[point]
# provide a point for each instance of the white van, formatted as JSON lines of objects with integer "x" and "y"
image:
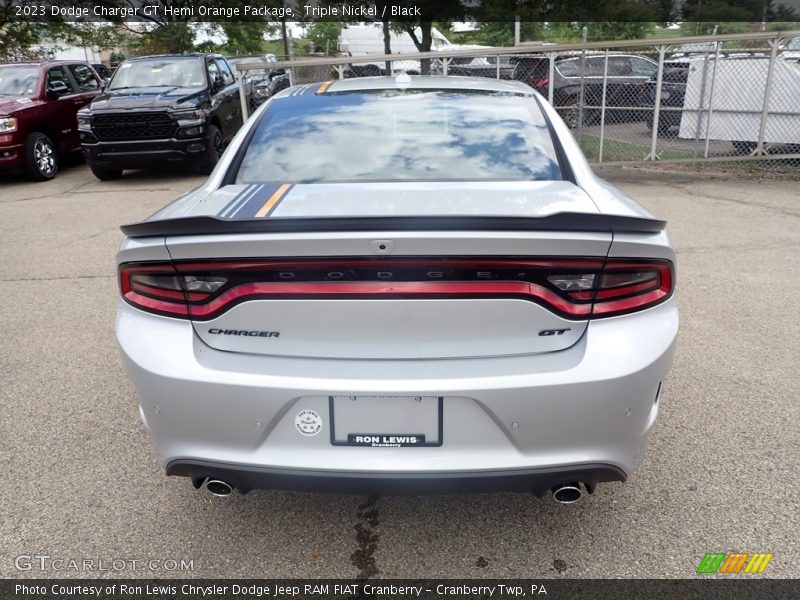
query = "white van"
{"x": 364, "y": 40}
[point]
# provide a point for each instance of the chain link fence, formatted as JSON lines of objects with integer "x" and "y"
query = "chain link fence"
{"x": 707, "y": 99}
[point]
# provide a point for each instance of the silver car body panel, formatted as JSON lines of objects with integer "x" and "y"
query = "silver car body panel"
{"x": 512, "y": 398}
{"x": 593, "y": 403}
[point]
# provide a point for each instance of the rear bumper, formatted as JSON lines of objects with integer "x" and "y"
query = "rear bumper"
{"x": 515, "y": 419}
{"x": 143, "y": 154}
{"x": 245, "y": 478}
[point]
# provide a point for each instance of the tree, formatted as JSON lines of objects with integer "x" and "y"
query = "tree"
{"x": 723, "y": 10}
{"x": 324, "y": 36}
{"x": 666, "y": 11}
{"x": 501, "y": 33}
{"x": 245, "y": 37}
{"x": 17, "y": 39}
{"x": 420, "y": 29}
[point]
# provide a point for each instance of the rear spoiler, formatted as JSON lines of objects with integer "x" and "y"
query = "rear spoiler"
{"x": 564, "y": 221}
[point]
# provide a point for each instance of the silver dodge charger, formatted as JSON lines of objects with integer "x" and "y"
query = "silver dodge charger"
{"x": 400, "y": 285}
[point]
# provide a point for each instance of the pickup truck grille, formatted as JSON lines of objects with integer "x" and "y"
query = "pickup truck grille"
{"x": 141, "y": 126}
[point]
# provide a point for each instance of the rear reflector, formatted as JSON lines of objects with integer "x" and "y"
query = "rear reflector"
{"x": 577, "y": 289}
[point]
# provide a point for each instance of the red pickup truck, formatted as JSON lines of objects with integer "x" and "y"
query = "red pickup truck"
{"x": 38, "y": 106}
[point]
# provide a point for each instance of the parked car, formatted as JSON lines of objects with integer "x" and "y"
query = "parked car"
{"x": 673, "y": 92}
{"x": 262, "y": 83}
{"x": 373, "y": 70}
{"x": 737, "y": 103}
{"x": 38, "y": 106}
{"x": 158, "y": 110}
{"x": 573, "y": 71}
{"x": 396, "y": 285}
{"x": 692, "y": 49}
{"x": 792, "y": 50}
{"x": 366, "y": 41}
{"x": 481, "y": 67}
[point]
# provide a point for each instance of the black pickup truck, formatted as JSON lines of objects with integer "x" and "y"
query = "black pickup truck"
{"x": 158, "y": 110}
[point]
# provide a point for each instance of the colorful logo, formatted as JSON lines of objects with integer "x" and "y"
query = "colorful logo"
{"x": 734, "y": 562}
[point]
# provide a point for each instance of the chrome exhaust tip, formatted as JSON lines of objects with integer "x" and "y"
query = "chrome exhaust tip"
{"x": 218, "y": 488}
{"x": 568, "y": 493}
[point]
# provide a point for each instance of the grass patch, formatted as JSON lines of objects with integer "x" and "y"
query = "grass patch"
{"x": 614, "y": 150}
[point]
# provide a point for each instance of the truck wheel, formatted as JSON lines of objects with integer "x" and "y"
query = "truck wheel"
{"x": 213, "y": 151}
{"x": 105, "y": 174}
{"x": 41, "y": 159}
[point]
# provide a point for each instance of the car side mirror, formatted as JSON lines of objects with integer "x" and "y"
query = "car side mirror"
{"x": 56, "y": 89}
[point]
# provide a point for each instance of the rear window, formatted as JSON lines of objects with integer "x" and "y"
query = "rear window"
{"x": 392, "y": 135}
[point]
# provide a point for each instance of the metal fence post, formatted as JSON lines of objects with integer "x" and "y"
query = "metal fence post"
{"x": 243, "y": 98}
{"x": 339, "y": 70}
{"x": 551, "y": 73}
{"x": 767, "y": 89}
{"x": 711, "y": 98}
{"x": 662, "y": 50}
{"x": 497, "y": 60}
{"x": 445, "y": 62}
{"x": 603, "y": 109}
{"x": 581, "y": 95}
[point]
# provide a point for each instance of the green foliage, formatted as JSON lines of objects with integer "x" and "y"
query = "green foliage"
{"x": 709, "y": 27}
{"x": 169, "y": 38}
{"x": 16, "y": 40}
{"x": 502, "y": 34}
{"x": 616, "y": 30}
{"x": 718, "y": 11}
{"x": 324, "y": 36}
{"x": 244, "y": 37}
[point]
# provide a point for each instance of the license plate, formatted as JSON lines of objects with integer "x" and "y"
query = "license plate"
{"x": 386, "y": 421}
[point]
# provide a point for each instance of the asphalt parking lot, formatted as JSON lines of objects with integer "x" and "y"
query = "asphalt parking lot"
{"x": 82, "y": 482}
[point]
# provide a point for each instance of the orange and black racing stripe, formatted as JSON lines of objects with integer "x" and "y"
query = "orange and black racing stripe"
{"x": 323, "y": 87}
{"x": 256, "y": 201}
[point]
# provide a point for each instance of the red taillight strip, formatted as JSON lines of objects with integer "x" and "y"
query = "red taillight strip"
{"x": 605, "y": 309}
{"x": 607, "y": 301}
{"x": 626, "y": 290}
{"x": 404, "y": 289}
{"x": 160, "y": 306}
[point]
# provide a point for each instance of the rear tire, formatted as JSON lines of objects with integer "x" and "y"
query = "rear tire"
{"x": 41, "y": 158}
{"x": 105, "y": 174}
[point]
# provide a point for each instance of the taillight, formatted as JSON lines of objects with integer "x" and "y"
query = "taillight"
{"x": 626, "y": 286}
{"x": 540, "y": 83}
{"x": 159, "y": 288}
{"x": 575, "y": 288}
